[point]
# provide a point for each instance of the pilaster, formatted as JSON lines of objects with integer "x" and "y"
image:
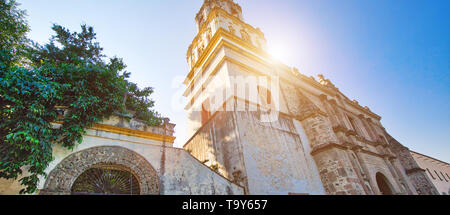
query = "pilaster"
{"x": 335, "y": 169}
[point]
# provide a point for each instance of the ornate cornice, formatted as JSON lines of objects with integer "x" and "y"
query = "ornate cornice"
{"x": 372, "y": 153}
{"x": 345, "y": 146}
{"x": 352, "y": 146}
{"x": 134, "y": 133}
{"x": 340, "y": 128}
{"x": 309, "y": 114}
{"x": 414, "y": 170}
{"x": 351, "y": 133}
{"x": 222, "y": 33}
{"x": 326, "y": 146}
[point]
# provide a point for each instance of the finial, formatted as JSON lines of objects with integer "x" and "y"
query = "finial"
{"x": 321, "y": 77}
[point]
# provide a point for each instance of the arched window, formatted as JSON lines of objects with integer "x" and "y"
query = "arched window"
{"x": 106, "y": 180}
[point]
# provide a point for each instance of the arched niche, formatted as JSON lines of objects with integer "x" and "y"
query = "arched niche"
{"x": 62, "y": 178}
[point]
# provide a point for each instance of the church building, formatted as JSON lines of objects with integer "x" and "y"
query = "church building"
{"x": 272, "y": 130}
{"x": 257, "y": 127}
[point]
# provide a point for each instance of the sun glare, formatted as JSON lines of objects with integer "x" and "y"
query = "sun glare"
{"x": 278, "y": 52}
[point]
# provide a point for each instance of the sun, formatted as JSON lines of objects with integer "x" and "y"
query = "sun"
{"x": 278, "y": 52}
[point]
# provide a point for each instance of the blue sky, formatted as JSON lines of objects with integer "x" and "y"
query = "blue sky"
{"x": 393, "y": 56}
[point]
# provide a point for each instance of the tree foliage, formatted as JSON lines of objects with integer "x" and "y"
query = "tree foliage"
{"x": 13, "y": 29}
{"x": 67, "y": 81}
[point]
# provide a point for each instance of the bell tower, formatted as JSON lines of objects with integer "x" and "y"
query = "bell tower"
{"x": 222, "y": 33}
{"x": 228, "y": 6}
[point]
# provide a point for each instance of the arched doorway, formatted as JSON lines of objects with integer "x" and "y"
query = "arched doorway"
{"x": 383, "y": 184}
{"x": 106, "y": 179}
{"x": 127, "y": 171}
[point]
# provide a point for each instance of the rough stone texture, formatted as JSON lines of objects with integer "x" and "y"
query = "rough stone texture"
{"x": 274, "y": 156}
{"x": 438, "y": 171}
{"x": 217, "y": 143}
{"x": 266, "y": 158}
{"x": 376, "y": 165}
{"x": 61, "y": 179}
{"x": 319, "y": 131}
{"x": 337, "y": 174}
{"x": 186, "y": 176}
{"x": 298, "y": 105}
{"x": 416, "y": 175}
{"x": 346, "y": 140}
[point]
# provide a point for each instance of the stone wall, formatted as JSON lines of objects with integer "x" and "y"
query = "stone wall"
{"x": 376, "y": 164}
{"x": 266, "y": 158}
{"x": 337, "y": 174}
{"x": 437, "y": 171}
{"x": 10, "y": 187}
{"x": 415, "y": 174}
{"x": 161, "y": 169}
{"x": 217, "y": 145}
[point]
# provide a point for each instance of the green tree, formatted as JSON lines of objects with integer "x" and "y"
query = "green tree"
{"x": 13, "y": 29}
{"x": 68, "y": 81}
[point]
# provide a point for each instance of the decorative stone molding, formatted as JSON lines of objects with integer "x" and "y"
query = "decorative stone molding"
{"x": 332, "y": 101}
{"x": 340, "y": 128}
{"x": 62, "y": 177}
{"x": 326, "y": 82}
{"x": 351, "y": 145}
{"x": 410, "y": 171}
{"x": 323, "y": 97}
{"x": 327, "y": 146}
{"x": 310, "y": 114}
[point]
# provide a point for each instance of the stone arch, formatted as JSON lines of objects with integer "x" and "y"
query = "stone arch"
{"x": 62, "y": 177}
{"x": 383, "y": 184}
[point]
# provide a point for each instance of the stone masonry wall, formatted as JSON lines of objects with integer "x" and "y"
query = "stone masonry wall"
{"x": 416, "y": 175}
{"x": 267, "y": 158}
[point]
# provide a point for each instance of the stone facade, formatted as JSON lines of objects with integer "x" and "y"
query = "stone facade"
{"x": 318, "y": 134}
{"x": 261, "y": 157}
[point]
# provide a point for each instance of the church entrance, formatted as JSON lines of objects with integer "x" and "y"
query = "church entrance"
{"x": 106, "y": 180}
{"x": 383, "y": 184}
